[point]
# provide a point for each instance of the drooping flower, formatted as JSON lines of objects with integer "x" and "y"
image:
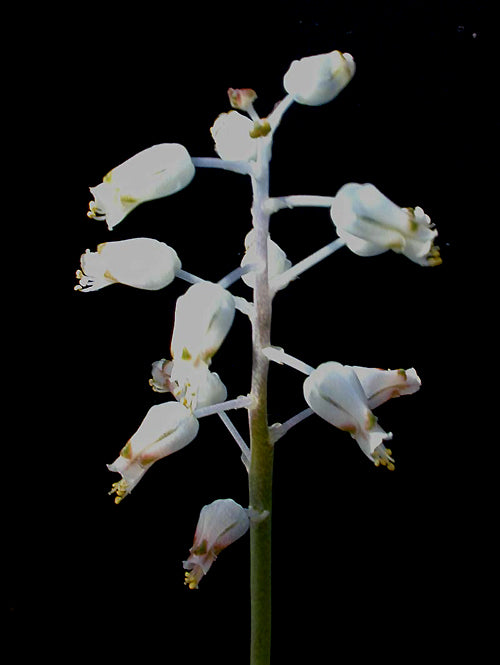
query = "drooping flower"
{"x": 380, "y": 385}
{"x": 167, "y": 427}
{"x": 370, "y": 224}
{"x": 335, "y": 393}
{"x": 231, "y": 133}
{"x": 317, "y": 79}
{"x": 203, "y": 317}
{"x": 158, "y": 171}
{"x": 277, "y": 260}
{"x": 195, "y": 386}
{"x": 144, "y": 263}
{"x": 220, "y": 523}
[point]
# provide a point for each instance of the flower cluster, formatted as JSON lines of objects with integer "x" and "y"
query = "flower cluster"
{"x": 366, "y": 222}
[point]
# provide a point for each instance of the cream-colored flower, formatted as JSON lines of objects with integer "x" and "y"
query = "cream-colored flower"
{"x": 380, "y": 385}
{"x": 220, "y": 523}
{"x": 335, "y": 393}
{"x": 317, "y": 79}
{"x": 144, "y": 263}
{"x": 158, "y": 171}
{"x": 370, "y": 224}
{"x": 203, "y": 317}
{"x": 231, "y": 133}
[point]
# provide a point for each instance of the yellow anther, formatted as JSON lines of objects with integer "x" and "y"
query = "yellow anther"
{"x": 120, "y": 489}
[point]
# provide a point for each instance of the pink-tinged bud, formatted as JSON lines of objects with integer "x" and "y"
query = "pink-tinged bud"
{"x": 220, "y": 524}
{"x": 241, "y": 98}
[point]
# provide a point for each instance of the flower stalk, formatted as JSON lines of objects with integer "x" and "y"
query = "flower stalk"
{"x": 261, "y": 465}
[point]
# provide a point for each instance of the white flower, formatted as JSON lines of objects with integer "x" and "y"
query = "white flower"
{"x": 276, "y": 257}
{"x": 203, "y": 317}
{"x": 167, "y": 427}
{"x": 158, "y": 171}
{"x": 317, "y": 79}
{"x": 335, "y": 393}
{"x": 220, "y": 524}
{"x": 380, "y": 385}
{"x": 193, "y": 386}
{"x": 144, "y": 263}
{"x": 231, "y": 133}
{"x": 370, "y": 224}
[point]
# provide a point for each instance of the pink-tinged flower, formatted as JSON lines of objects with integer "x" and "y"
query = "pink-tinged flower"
{"x": 167, "y": 427}
{"x": 220, "y": 524}
{"x": 335, "y": 393}
{"x": 144, "y": 263}
{"x": 317, "y": 79}
{"x": 203, "y": 317}
{"x": 158, "y": 171}
{"x": 370, "y": 224}
{"x": 380, "y": 385}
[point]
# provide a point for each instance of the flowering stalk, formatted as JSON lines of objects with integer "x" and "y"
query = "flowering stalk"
{"x": 261, "y": 466}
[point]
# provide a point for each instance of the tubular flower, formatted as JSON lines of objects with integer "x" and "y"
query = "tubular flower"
{"x": 193, "y": 386}
{"x": 203, "y": 317}
{"x": 231, "y": 133}
{"x": 220, "y": 524}
{"x": 277, "y": 261}
{"x": 317, "y": 79}
{"x": 158, "y": 171}
{"x": 144, "y": 263}
{"x": 380, "y": 385}
{"x": 370, "y": 224}
{"x": 335, "y": 393}
{"x": 167, "y": 427}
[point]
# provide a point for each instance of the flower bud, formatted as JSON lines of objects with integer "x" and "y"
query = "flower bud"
{"x": 158, "y": 171}
{"x": 144, "y": 263}
{"x": 203, "y": 317}
{"x": 231, "y": 133}
{"x": 317, "y": 79}
{"x": 380, "y": 385}
{"x": 220, "y": 524}
{"x": 167, "y": 427}
{"x": 241, "y": 98}
{"x": 276, "y": 258}
{"x": 334, "y": 392}
{"x": 370, "y": 224}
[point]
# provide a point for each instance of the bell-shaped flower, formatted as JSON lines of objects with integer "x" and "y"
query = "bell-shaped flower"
{"x": 144, "y": 263}
{"x": 334, "y": 392}
{"x": 381, "y": 385}
{"x": 370, "y": 224}
{"x": 276, "y": 259}
{"x": 194, "y": 386}
{"x": 158, "y": 171}
{"x": 317, "y": 79}
{"x": 231, "y": 133}
{"x": 167, "y": 427}
{"x": 203, "y": 317}
{"x": 220, "y": 524}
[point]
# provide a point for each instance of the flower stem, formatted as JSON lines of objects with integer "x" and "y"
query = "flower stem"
{"x": 261, "y": 465}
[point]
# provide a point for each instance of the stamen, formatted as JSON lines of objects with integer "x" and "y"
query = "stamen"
{"x": 382, "y": 457}
{"x": 120, "y": 488}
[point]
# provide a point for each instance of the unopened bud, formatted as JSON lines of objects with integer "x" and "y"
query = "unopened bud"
{"x": 241, "y": 98}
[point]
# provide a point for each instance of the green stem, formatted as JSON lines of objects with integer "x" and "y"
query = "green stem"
{"x": 261, "y": 466}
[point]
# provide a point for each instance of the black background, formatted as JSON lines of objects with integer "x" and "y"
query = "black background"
{"x": 363, "y": 558}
